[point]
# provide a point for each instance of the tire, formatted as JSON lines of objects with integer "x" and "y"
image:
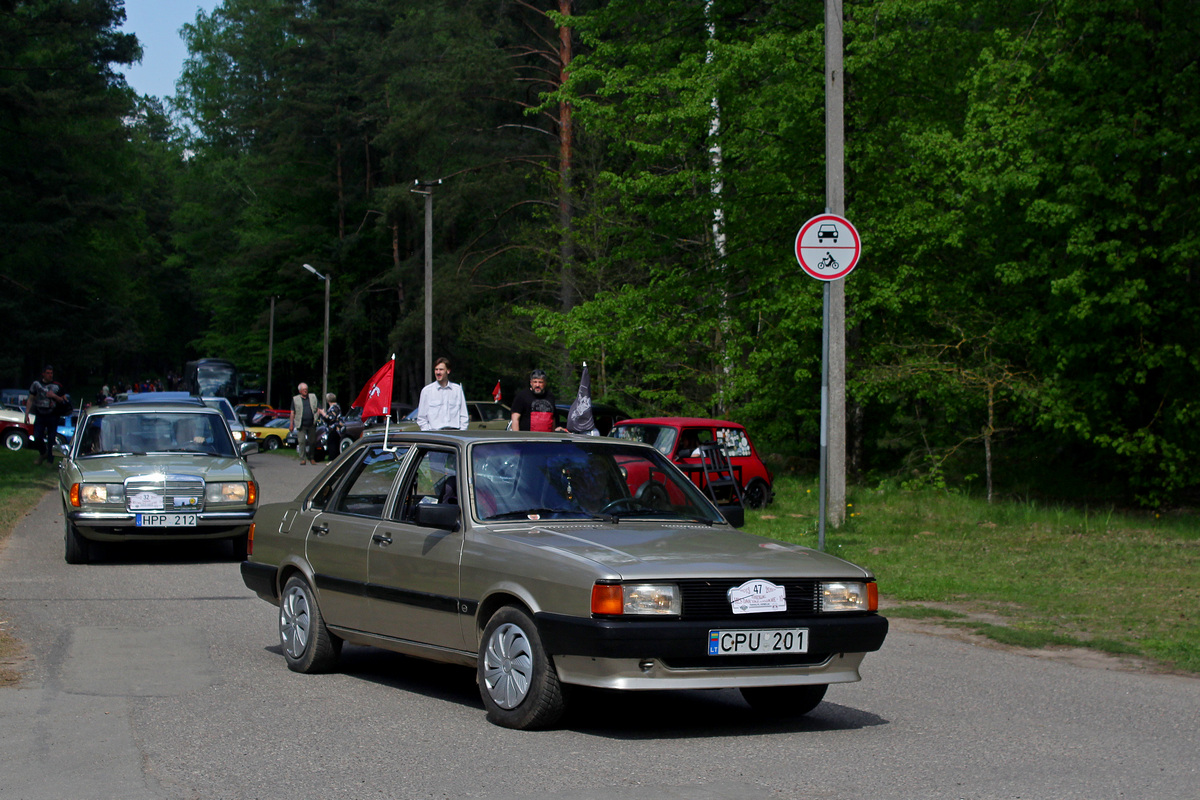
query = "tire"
{"x": 307, "y": 644}
{"x": 784, "y": 701}
{"x": 77, "y": 550}
{"x": 14, "y": 439}
{"x": 241, "y": 546}
{"x": 272, "y": 443}
{"x": 517, "y": 680}
{"x": 757, "y": 494}
{"x": 345, "y": 444}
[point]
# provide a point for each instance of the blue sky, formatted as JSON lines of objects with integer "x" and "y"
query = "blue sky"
{"x": 156, "y": 24}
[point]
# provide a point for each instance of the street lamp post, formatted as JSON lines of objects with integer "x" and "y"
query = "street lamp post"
{"x": 325, "y": 360}
{"x": 426, "y": 188}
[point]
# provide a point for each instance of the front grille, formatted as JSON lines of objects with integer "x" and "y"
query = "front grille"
{"x": 709, "y": 599}
{"x": 179, "y": 492}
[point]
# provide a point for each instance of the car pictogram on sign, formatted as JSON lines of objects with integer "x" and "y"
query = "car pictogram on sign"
{"x": 827, "y": 230}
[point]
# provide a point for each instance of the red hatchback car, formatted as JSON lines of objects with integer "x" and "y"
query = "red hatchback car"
{"x": 679, "y": 438}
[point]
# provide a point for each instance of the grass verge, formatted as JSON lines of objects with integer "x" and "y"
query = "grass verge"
{"x": 22, "y": 486}
{"x": 1021, "y": 573}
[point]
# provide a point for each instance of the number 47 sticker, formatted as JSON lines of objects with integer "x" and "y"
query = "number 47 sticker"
{"x": 756, "y": 597}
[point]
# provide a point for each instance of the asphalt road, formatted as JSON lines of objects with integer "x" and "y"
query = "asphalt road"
{"x": 157, "y": 674}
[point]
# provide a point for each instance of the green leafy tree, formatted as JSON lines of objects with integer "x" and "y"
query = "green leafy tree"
{"x": 68, "y": 172}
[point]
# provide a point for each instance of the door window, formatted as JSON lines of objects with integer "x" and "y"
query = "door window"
{"x": 434, "y": 480}
{"x": 734, "y": 442}
{"x": 369, "y": 484}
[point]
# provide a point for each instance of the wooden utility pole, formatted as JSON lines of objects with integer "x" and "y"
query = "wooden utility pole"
{"x": 835, "y": 201}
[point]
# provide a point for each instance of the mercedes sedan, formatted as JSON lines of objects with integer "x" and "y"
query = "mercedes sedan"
{"x": 144, "y": 471}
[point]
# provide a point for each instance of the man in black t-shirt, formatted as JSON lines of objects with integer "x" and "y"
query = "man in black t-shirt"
{"x": 533, "y": 408}
{"x": 45, "y": 397}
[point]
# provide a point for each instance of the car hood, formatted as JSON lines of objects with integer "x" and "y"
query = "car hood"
{"x": 117, "y": 468}
{"x": 679, "y": 550}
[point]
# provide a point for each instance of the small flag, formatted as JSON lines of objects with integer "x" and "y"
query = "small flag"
{"x": 376, "y": 396}
{"x": 496, "y": 392}
{"x": 579, "y": 418}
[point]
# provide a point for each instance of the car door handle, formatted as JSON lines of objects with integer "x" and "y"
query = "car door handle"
{"x": 320, "y": 530}
{"x": 382, "y": 538}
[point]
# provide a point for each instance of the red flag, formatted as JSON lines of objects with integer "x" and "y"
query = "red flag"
{"x": 376, "y": 396}
{"x": 496, "y": 392}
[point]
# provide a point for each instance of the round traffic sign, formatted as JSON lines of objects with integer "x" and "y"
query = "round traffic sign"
{"x": 828, "y": 247}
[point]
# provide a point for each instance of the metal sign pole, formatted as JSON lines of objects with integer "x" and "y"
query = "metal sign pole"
{"x": 824, "y": 417}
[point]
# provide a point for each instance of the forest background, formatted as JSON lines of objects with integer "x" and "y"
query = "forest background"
{"x": 621, "y": 183}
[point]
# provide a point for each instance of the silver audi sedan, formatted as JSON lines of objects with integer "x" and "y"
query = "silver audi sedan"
{"x": 541, "y": 560}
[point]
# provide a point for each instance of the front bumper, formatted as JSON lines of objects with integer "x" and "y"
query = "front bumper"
{"x": 659, "y": 654}
{"x": 114, "y": 526}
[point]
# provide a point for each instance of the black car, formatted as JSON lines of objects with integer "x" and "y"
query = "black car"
{"x": 604, "y": 416}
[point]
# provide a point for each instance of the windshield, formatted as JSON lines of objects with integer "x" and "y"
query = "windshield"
{"x": 546, "y": 480}
{"x": 488, "y": 412}
{"x": 155, "y": 432}
{"x": 216, "y": 379}
{"x": 222, "y": 405}
{"x": 660, "y": 437}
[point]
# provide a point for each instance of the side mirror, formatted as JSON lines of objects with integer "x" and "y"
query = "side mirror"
{"x": 734, "y": 514}
{"x": 438, "y": 515}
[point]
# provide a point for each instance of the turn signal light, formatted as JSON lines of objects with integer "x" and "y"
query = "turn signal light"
{"x": 75, "y": 494}
{"x": 250, "y": 539}
{"x": 251, "y": 494}
{"x": 607, "y": 599}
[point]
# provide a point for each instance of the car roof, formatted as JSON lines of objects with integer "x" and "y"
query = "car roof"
{"x": 678, "y": 422}
{"x": 601, "y": 407}
{"x": 144, "y": 406}
{"x": 159, "y": 397}
{"x": 476, "y": 435}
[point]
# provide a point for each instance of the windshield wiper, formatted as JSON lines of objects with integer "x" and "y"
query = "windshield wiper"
{"x": 526, "y": 513}
{"x": 658, "y": 512}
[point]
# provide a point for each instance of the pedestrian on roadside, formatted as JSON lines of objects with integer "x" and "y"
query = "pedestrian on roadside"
{"x": 47, "y": 402}
{"x": 533, "y": 408}
{"x": 442, "y": 405}
{"x": 332, "y": 414}
{"x": 303, "y": 421}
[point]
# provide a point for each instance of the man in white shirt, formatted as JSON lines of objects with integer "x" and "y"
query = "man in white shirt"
{"x": 442, "y": 404}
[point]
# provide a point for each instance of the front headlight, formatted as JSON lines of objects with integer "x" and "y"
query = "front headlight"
{"x": 234, "y": 492}
{"x": 849, "y": 596}
{"x": 89, "y": 494}
{"x": 636, "y": 598}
